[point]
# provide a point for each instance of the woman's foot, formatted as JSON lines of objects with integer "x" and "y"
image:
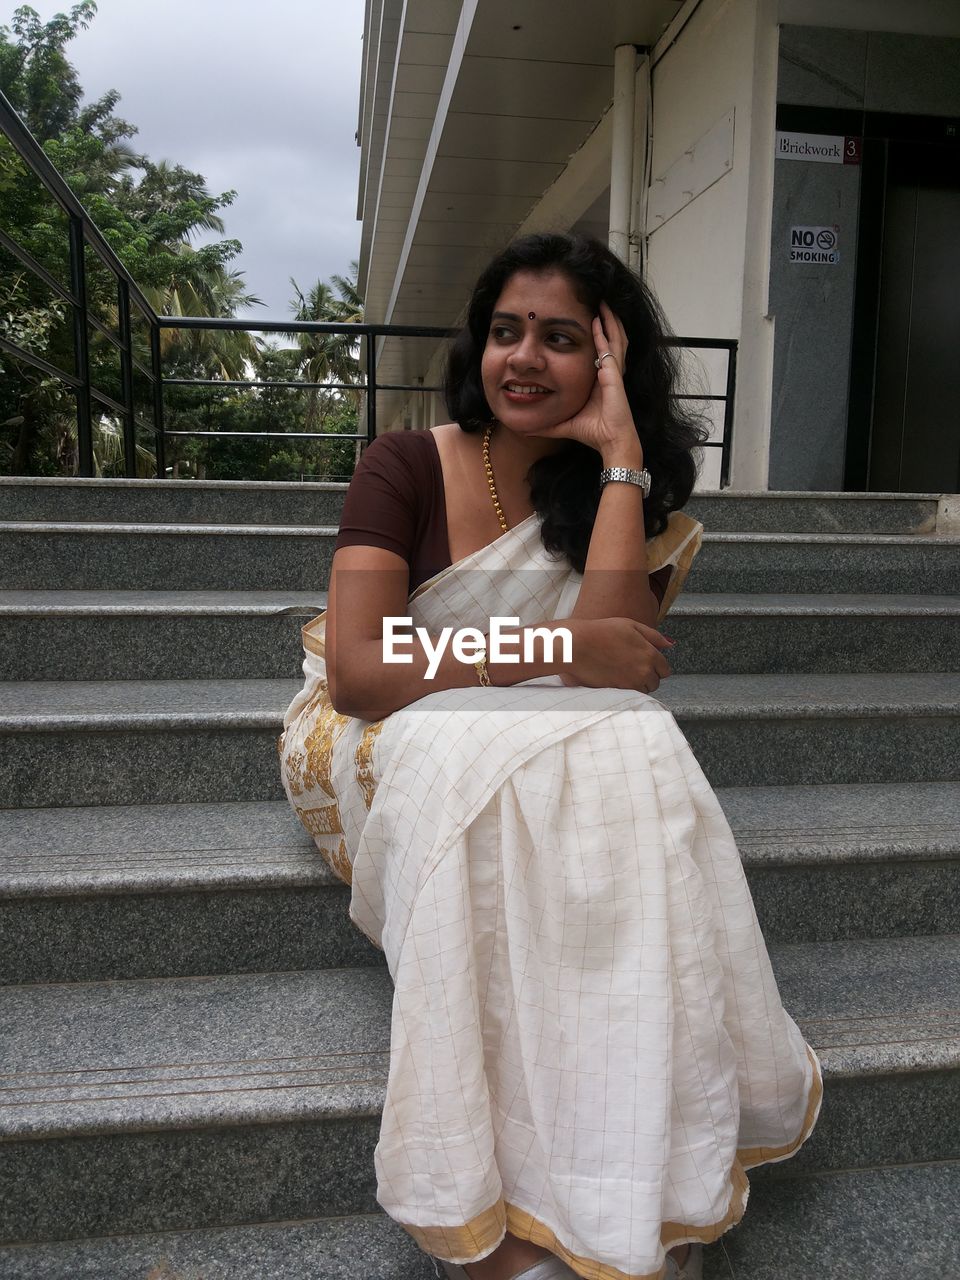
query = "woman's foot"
{"x": 511, "y": 1257}
{"x": 685, "y": 1262}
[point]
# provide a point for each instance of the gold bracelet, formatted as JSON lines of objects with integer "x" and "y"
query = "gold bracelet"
{"x": 480, "y": 666}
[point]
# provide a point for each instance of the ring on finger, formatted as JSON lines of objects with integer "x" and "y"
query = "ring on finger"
{"x": 600, "y": 359}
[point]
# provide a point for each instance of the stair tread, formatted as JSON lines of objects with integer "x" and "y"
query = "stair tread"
{"x": 156, "y": 848}
{"x": 130, "y": 527}
{"x": 348, "y": 1248}
{"x": 123, "y": 527}
{"x": 174, "y": 847}
{"x": 691, "y": 604}
{"x": 49, "y": 704}
{"x": 694, "y": 604}
{"x": 859, "y": 1222}
{"x": 843, "y": 822}
{"x": 204, "y": 602}
{"x": 216, "y": 1051}
{"x": 890, "y": 1220}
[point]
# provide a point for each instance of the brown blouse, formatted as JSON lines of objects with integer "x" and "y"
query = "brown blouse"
{"x": 396, "y": 501}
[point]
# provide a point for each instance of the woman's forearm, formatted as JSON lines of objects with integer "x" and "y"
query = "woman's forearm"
{"x": 616, "y": 583}
{"x": 370, "y": 688}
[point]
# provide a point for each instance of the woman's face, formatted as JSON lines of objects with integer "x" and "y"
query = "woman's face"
{"x": 537, "y": 366}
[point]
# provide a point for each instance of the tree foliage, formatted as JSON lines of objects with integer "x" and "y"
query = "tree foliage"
{"x": 151, "y": 215}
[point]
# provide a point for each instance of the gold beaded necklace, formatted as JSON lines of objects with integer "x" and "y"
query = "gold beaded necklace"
{"x": 488, "y": 468}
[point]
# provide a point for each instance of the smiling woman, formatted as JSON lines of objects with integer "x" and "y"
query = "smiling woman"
{"x": 538, "y": 361}
{"x": 588, "y": 1047}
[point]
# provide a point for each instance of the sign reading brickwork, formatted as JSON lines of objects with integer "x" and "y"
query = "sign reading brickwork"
{"x": 815, "y": 244}
{"x": 821, "y": 148}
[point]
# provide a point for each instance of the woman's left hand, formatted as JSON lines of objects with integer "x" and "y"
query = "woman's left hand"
{"x": 605, "y": 422}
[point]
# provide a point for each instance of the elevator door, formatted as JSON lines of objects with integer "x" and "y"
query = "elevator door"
{"x": 915, "y": 435}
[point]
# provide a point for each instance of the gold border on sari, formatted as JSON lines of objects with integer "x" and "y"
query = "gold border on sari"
{"x": 484, "y": 1232}
{"x": 363, "y": 759}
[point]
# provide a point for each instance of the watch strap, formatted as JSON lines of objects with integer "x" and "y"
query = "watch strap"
{"x": 627, "y": 475}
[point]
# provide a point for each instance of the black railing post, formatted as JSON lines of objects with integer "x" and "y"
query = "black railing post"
{"x": 126, "y": 376}
{"x": 371, "y": 388}
{"x": 158, "y": 428}
{"x": 725, "y": 452}
{"x": 81, "y": 346}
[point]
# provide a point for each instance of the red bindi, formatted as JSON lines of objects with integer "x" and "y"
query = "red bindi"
{"x": 531, "y": 315}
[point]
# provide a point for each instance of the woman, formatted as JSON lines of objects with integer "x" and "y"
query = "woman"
{"x": 588, "y": 1048}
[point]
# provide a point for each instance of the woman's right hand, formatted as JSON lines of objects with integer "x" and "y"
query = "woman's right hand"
{"x": 616, "y": 653}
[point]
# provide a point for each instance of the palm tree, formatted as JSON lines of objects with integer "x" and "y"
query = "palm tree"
{"x": 195, "y": 290}
{"x": 328, "y": 357}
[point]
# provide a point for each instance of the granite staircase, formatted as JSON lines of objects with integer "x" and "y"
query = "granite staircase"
{"x": 194, "y": 1039}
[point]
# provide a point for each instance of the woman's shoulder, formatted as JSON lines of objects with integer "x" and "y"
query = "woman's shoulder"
{"x": 405, "y": 444}
{"x": 399, "y": 456}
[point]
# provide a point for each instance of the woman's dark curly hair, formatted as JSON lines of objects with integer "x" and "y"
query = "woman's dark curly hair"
{"x": 565, "y": 485}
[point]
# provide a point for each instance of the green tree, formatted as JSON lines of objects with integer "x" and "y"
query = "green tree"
{"x": 148, "y": 213}
{"x": 328, "y": 357}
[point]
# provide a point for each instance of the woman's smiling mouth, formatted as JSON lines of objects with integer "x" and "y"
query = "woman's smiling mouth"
{"x": 521, "y": 392}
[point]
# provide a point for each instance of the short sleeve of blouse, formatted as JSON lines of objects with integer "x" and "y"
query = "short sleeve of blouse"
{"x": 396, "y": 501}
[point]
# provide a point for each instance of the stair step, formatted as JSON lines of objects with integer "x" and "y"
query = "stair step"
{"x": 812, "y": 562}
{"x": 890, "y": 1221}
{"x": 167, "y": 890}
{"x": 783, "y": 512}
{"x": 88, "y": 894}
{"x": 157, "y": 1105}
{"x": 278, "y": 502}
{"x": 165, "y": 635}
{"x": 842, "y": 862}
{"x": 140, "y": 742}
{"x": 363, "y": 1247}
{"x": 154, "y": 635}
{"x": 828, "y": 634}
{"x": 146, "y": 557}
{"x": 54, "y": 499}
{"x": 167, "y": 741}
{"x": 785, "y": 730}
{"x": 866, "y": 1222}
{"x": 92, "y": 556}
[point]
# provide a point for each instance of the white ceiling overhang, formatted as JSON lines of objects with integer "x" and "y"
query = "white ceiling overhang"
{"x": 484, "y": 104}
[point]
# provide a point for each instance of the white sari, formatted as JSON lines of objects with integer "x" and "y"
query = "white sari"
{"x": 588, "y": 1047}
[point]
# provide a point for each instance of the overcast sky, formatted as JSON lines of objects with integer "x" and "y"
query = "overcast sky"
{"x": 260, "y": 97}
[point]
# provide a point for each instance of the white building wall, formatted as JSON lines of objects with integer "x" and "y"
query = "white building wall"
{"x": 708, "y": 261}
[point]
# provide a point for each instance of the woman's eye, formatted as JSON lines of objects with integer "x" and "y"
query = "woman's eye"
{"x": 561, "y": 339}
{"x": 501, "y": 331}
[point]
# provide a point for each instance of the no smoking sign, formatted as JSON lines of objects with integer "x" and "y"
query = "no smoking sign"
{"x": 815, "y": 244}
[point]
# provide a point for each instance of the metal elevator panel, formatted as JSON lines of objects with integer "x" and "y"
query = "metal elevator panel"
{"x": 915, "y": 437}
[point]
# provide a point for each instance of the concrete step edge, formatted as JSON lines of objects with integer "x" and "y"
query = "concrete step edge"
{"x": 43, "y": 706}
{"x": 350, "y": 1247}
{"x": 171, "y": 848}
{"x": 207, "y": 602}
{"x": 42, "y": 528}
{"x": 153, "y": 604}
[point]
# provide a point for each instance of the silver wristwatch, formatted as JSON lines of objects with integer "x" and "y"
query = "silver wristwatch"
{"x": 641, "y": 478}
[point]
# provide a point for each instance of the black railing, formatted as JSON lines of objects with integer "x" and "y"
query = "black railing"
{"x": 363, "y": 332}
{"x": 130, "y": 303}
{"x": 82, "y": 234}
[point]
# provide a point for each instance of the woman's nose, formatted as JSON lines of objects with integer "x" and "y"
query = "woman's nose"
{"x": 527, "y": 354}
